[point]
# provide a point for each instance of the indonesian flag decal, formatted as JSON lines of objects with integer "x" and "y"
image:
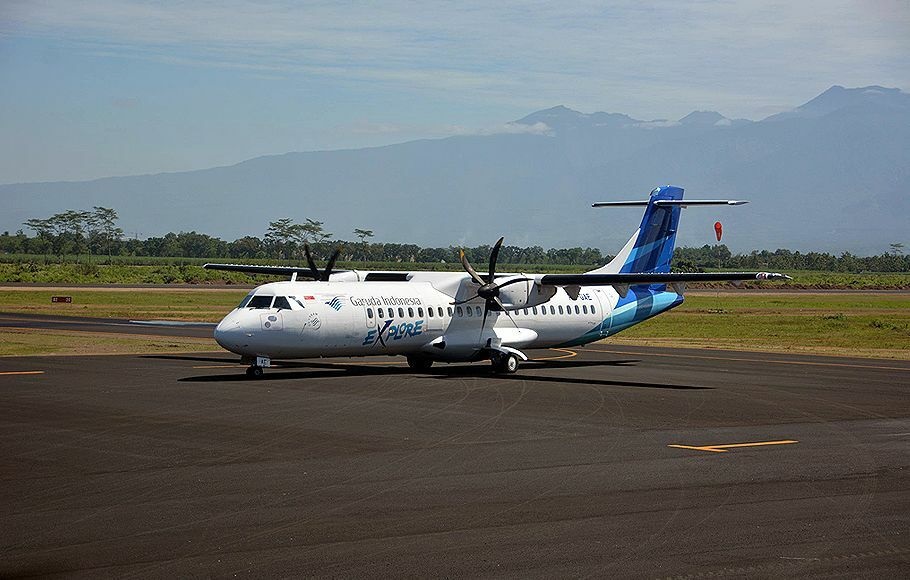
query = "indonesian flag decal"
{"x": 309, "y": 298}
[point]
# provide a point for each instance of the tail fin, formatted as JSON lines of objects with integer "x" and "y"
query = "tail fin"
{"x": 651, "y": 247}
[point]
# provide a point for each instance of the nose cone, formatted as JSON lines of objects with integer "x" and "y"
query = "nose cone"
{"x": 229, "y": 333}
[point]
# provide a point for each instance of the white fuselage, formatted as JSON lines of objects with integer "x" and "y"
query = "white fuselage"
{"x": 417, "y": 317}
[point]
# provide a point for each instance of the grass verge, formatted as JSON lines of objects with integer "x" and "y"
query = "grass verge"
{"x": 31, "y": 342}
{"x": 203, "y": 305}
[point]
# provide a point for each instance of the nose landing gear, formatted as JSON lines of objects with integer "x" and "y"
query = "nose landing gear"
{"x": 256, "y": 370}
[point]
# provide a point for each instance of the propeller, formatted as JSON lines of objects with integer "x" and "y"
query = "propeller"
{"x": 489, "y": 289}
{"x": 324, "y": 275}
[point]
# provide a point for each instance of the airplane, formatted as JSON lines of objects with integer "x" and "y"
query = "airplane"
{"x": 464, "y": 316}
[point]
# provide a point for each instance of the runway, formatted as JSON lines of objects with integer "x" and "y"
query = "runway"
{"x": 600, "y": 461}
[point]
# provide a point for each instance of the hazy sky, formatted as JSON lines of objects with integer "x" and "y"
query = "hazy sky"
{"x": 92, "y": 88}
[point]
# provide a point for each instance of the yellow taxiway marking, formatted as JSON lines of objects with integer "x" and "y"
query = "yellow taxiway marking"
{"x": 220, "y": 367}
{"x": 7, "y": 373}
{"x": 722, "y": 448}
{"x": 570, "y": 354}
{"x": 757, "y": 360}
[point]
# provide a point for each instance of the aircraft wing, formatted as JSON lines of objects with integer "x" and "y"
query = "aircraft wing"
{"x": 272, "y": 270}
{"x": 631, "y": 279}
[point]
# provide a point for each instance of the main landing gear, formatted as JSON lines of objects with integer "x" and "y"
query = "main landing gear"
{"x": 419, "y": 363}
{"x": 504, "y": 363}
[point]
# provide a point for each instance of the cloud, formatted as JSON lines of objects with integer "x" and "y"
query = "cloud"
{"x": 538, "y": 128}
{"x": 381, "y": 128}
{"x": 657, "y": 124}
{"x": 736, "y": 57}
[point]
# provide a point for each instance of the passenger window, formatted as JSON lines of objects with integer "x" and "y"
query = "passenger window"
{"x": 577, "y": 310}
{"x": 369, "y": 313}
{"x": 560, "y": 308}
{"x": 380, "y": 311}
{"x": 449, "y": 309}
{"x": 593, "y": 310}
{"x": 525, "y": 311}
{"x": 410, "y": 313}
{"x": 534, "y": 310}
{"x": 281, "y": 303}
{"x": 584, "y": 308}
{"x": 459, "y": 311}
{"x": 420, "y": 311}
{"x": 543, "y": 310}
{"x": 470, "y": 311}
{"x": 260, "y": 301}
{"x": 478, "y": 311}
{"x": 401, "y": 313}
{"x": 552, "y": 309}
{"x": 439, "y": 311}
{"x": 429, "y": 311}
{"x": 246, "y": 299}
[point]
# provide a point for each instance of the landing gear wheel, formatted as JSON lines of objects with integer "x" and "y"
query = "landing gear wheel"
{"x": 255, "y": 372}
{"x": 505, "y": 364}
{"x": 419, "y": 363}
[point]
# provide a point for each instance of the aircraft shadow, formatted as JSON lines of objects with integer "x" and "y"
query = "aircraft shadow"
{"x": 317, "y": 370}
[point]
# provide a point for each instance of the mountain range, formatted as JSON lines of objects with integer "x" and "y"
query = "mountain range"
{"x": 827, "y": 175}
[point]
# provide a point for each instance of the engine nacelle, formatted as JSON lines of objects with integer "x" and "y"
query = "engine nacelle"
{"x": 524, "y": 294}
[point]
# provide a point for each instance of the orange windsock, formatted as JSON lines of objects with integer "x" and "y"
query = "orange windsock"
{"x": 718, "y": 230}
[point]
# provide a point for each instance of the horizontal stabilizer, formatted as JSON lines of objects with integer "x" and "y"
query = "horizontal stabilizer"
{"x": 631, "y": 279}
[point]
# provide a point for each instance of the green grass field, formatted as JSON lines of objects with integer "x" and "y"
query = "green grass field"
{"x": 844, "y": 324}
{"x": 849, "y": 324}
{"x": 190, "y": 271}
{"x": 203, "y": 304}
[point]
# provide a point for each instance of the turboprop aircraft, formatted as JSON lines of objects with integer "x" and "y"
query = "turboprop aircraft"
{"x": 464, "y": 316}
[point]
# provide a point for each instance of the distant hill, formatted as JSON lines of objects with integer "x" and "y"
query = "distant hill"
{"x": 828, "y": 175}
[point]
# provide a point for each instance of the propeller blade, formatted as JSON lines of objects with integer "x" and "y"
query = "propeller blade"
{"x": 331, "y": 264}
{"x": 494, "y": 257}
{"x": 513, "y": 281}
{"x": 502, "y": 306}
{"x": 486, "y": 311}
{"x": 309, "y": 260}
{"x": 469, "y": 269}
{"x": 466, "y": 300}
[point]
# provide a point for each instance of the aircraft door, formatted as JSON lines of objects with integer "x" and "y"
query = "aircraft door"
{"x": 603, "y": 306}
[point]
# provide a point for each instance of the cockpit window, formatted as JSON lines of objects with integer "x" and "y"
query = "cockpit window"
{"x": 281, "y": 303}
{"x": 245, "y": 300}
{"x": 261, "y": 301}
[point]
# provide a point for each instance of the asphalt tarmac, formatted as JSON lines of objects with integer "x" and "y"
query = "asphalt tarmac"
{"x": 601, "y": 461}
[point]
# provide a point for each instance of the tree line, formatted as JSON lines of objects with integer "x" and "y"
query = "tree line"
{"x": 96, "y": 232}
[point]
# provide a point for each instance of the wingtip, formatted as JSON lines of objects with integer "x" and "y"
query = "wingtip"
{"x": 772, "y": 276}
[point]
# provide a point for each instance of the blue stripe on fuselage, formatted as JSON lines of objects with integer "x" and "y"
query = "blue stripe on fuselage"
{"x": 640, "y": 304}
